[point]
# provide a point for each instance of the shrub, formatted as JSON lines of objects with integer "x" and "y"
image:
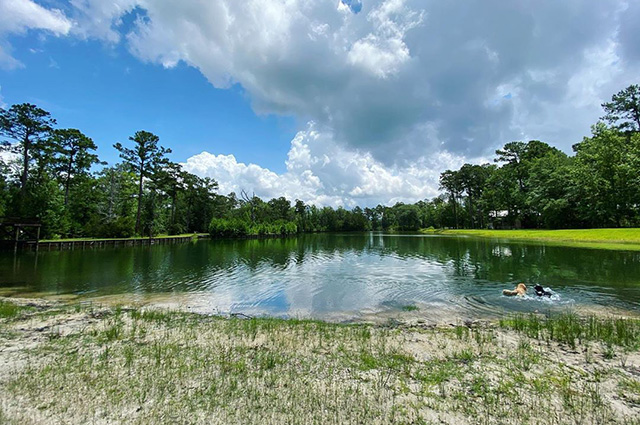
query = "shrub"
{"x": 235, "y": 228}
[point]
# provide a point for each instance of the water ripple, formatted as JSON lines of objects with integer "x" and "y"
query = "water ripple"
{"x": 328, "y": 275}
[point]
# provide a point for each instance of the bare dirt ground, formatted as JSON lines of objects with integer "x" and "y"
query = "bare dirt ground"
{"x": 77, "y": 364}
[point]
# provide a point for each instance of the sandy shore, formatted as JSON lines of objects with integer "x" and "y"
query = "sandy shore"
{"x": 65, "y": 363}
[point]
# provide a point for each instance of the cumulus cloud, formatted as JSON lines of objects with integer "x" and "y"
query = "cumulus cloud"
{"x": 354, "y": 6}
{"x": 629, "y": 32}
{"x": 395, "y": 84}
{"x": 383, "y": 51}
{"x": 397, "y": 78}
{"x": 100, "y": 19}
{"x": 19, "y": 16}
{"x": 323, "y": 172}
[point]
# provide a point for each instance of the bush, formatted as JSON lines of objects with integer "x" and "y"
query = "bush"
{"x": 236, "y": 228}
{"x": 121, "y": 227}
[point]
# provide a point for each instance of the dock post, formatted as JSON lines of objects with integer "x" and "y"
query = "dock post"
{"x": 37, "y": 241}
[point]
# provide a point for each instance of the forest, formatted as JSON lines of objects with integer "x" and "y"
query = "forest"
{"x": 54, "y": 175}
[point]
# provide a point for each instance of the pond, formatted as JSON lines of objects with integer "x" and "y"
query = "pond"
{"x": 336, "y": 276}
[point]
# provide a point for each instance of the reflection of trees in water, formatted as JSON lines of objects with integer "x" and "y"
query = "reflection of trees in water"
{"x": 502, "y": 261}
{"x": 494, "y": 260}
{"x": 556, "y": 265}
{"x": 184, "y": 267}
{"x": 253, "y": 253}
{"x": 71, "y": 271}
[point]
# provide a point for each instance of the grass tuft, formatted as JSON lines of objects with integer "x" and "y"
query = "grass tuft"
{"x": 9, "y": 310}
{"x": 155, "y": 367}
{"x": 571, "y": 329}
{"x": 410, "y": 308}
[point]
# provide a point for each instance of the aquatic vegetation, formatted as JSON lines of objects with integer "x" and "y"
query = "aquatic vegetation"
{"x": 410, "y": 307}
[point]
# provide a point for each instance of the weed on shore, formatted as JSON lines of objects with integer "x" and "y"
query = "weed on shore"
{"x": 154, "y": 367}
{"x": 570, "y": 329}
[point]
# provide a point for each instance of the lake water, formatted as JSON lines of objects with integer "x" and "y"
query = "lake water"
{"x": 336, "y": 276}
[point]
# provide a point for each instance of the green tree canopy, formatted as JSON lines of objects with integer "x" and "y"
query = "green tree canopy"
{"x": 623, "y": 112}
{"x": 27, "y": 129}
{"x": 73, "y": 156}
{"x": 144, "y": 158}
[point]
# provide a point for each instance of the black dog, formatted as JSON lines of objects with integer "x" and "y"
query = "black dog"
{"x": 541, "y": 292}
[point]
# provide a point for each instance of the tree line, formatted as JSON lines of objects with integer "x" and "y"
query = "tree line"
{"x": 534, "y": 185}
{"x": 52, "y": 174}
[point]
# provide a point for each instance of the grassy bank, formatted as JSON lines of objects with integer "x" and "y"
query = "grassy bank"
{"x": 622, "y": 239}
{"x": 84, "y": 364}
{"x": 185, "y": 235}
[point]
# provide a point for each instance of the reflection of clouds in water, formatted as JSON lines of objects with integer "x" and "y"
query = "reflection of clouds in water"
{"x": 369, "y": 274}
{"x": 324, "y": 283}
{"x": 342, "y": 282}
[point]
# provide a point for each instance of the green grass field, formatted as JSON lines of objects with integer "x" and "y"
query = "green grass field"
{"x": 620, "y": 239}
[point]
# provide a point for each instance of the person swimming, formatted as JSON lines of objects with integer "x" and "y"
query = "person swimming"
{"x": 541, "y": 292}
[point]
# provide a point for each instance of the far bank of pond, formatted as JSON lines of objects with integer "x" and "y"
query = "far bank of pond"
{"x": 627, "y": 239}
{"x": 613, "y": 239}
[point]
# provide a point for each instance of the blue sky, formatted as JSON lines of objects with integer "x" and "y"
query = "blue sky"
{"x": 108, "y": 94}
{"x": 335, "y": 102}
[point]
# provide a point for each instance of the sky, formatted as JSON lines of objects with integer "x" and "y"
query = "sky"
{"x": 335, "y": 102}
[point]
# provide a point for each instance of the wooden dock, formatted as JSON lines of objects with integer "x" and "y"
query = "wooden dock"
{"x": 17, "y": 231}
{"x": 103, "y": 243}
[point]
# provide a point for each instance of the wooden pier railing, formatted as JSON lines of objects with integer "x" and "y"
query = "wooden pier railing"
{"x": 101, "y": 243}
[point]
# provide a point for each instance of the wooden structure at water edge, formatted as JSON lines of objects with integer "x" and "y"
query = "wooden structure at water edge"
{"x": 16, "y": 232}
{"x": 73, "y": 244}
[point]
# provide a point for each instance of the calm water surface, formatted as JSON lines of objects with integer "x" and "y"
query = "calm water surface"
{"x": 335, "y": 275}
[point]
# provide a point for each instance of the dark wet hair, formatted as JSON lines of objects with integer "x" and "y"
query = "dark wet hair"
{"x": 540, "y": 291}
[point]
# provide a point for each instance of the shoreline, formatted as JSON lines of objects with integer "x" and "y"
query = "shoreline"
{"x": 77, "y": 363}
{"x": 410, "y": 314}
{"x": 618, "y": 239}
{"x": 84, "y": 243}
{"x": 90, "y": 243}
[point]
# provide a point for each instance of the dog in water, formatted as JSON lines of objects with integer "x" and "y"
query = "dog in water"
{"x": 541, "y": 292}
{"x": 520, "y": 290}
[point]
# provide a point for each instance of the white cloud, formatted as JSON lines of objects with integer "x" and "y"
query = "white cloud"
{"x": 383, "y": 52}
{"x": 6, "y": 60}
{"x": 2, "y": 103}
{"x": 322, "y": 172}
{"x": 393, "y": 86}
{"x": 375, "y": 79}
{"x": 100, "y": 19}
{"x": 379, "y": 57}
{"x": 18, "y": 16}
